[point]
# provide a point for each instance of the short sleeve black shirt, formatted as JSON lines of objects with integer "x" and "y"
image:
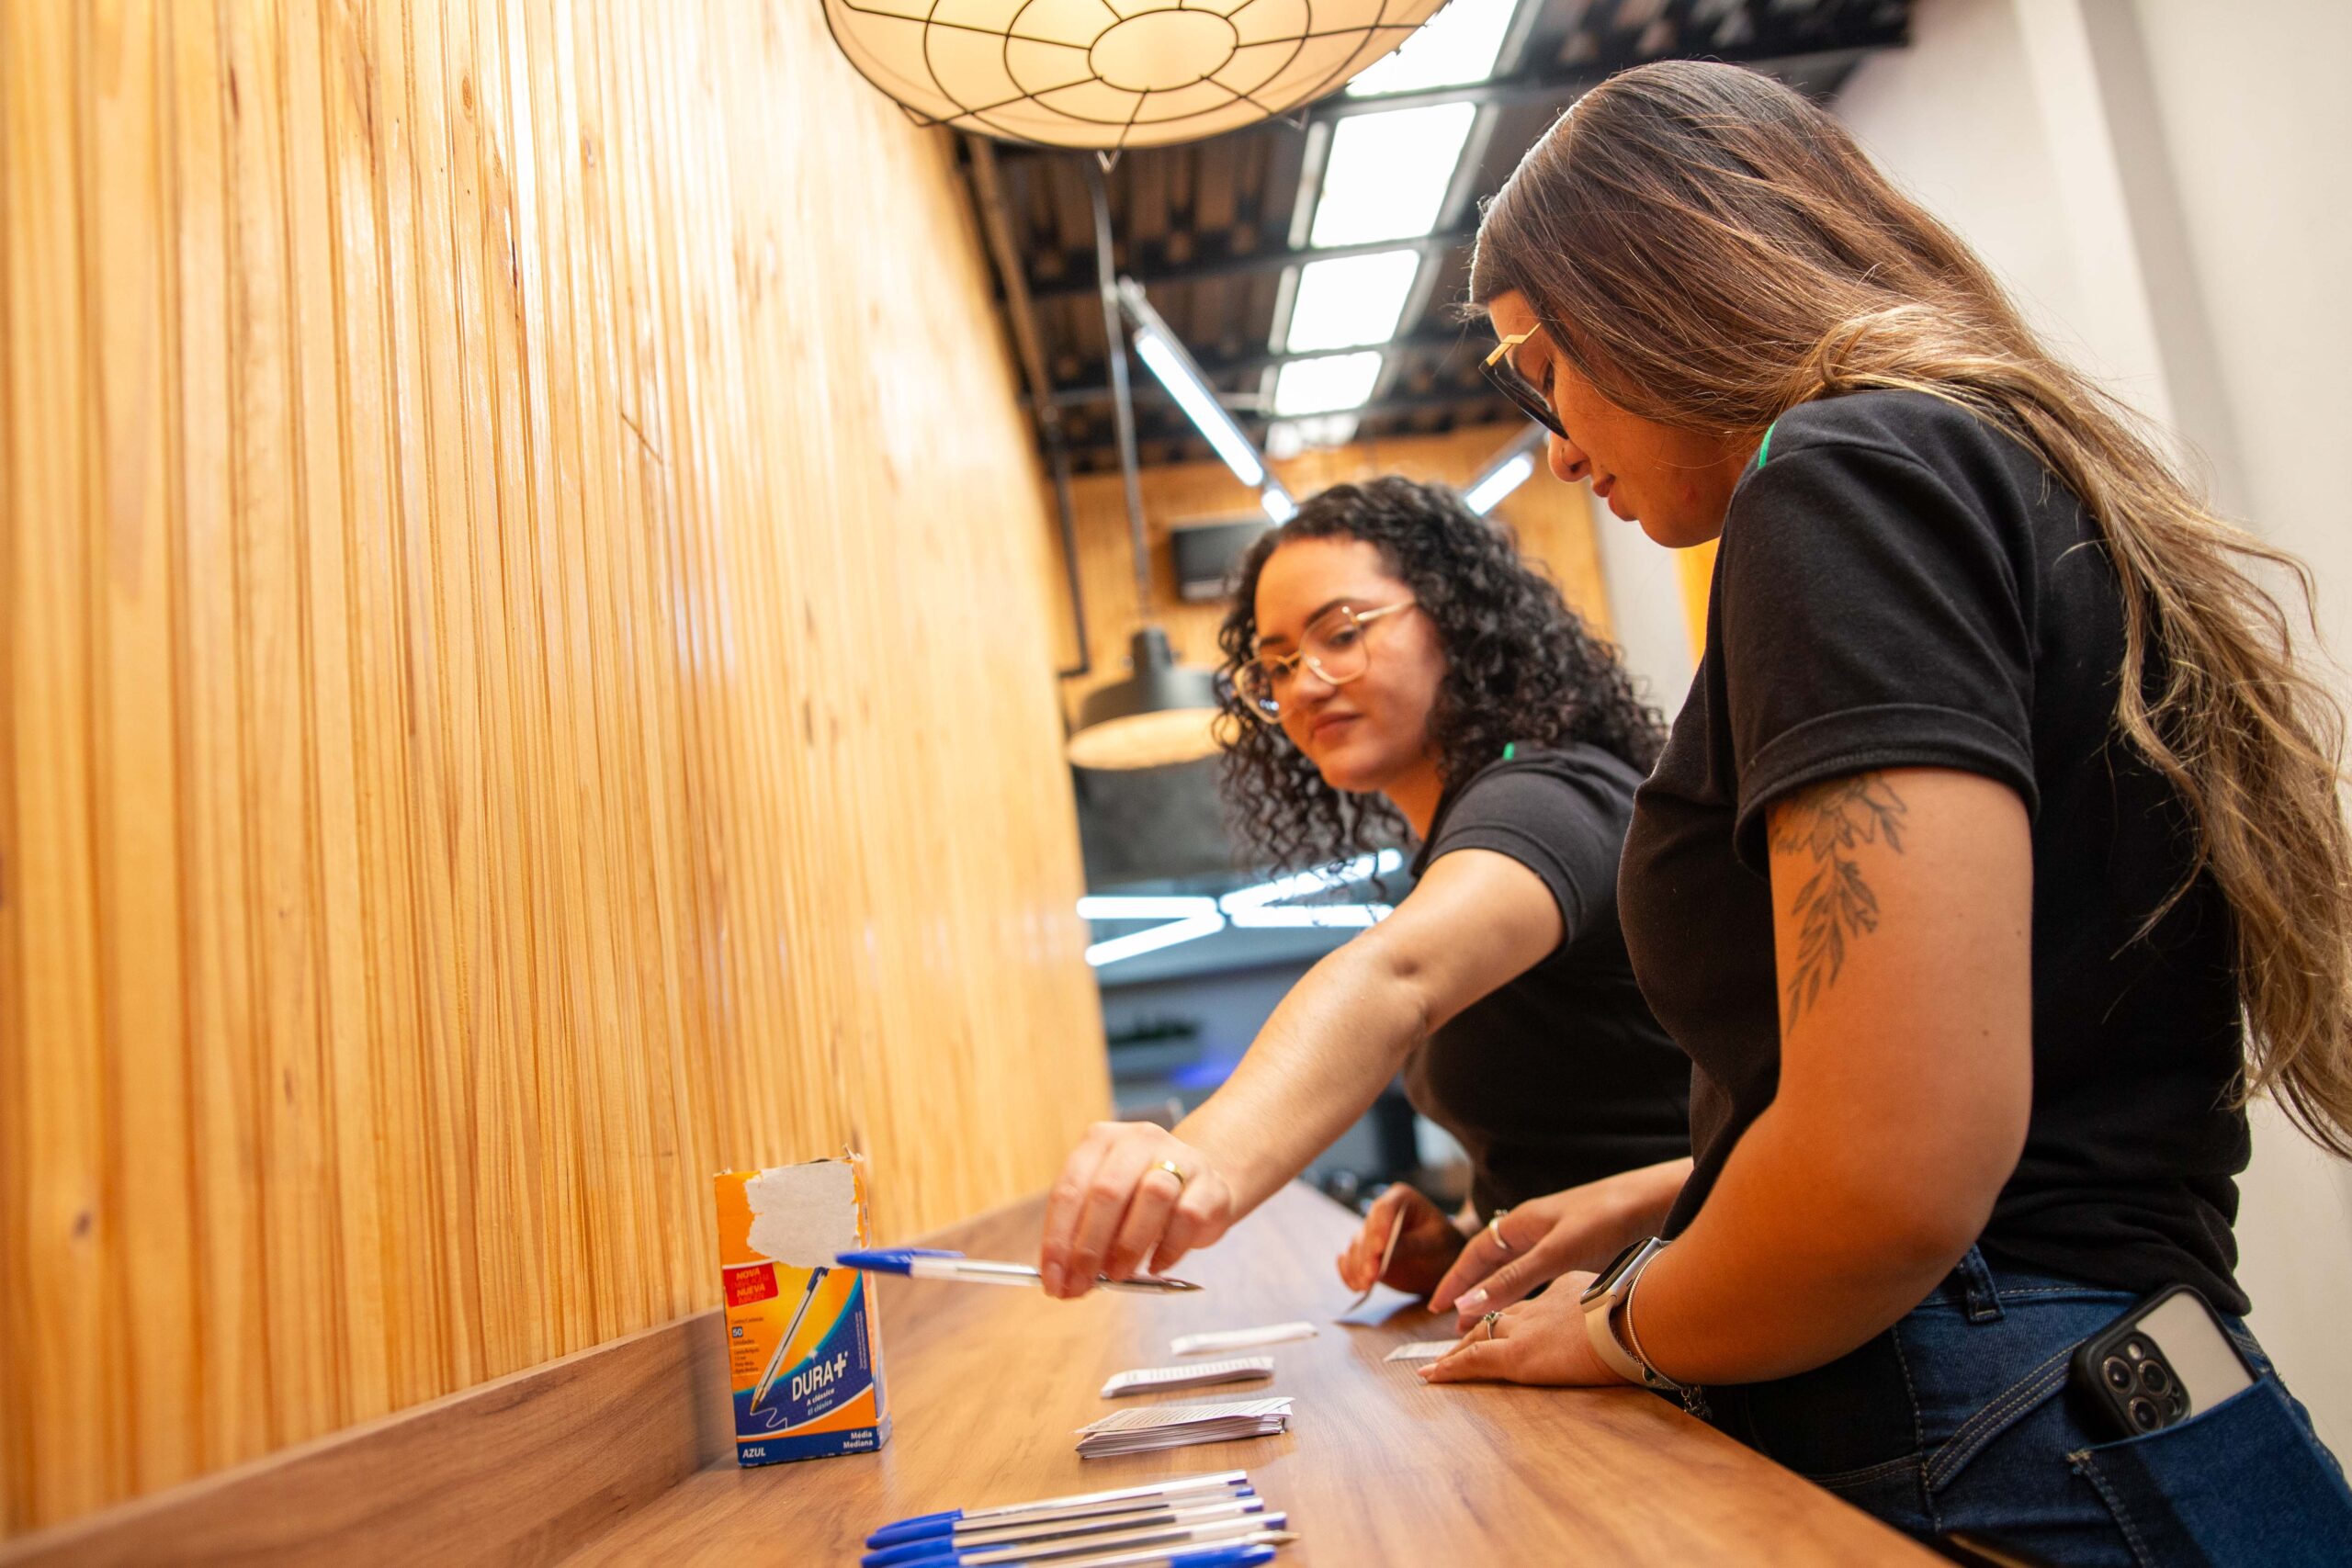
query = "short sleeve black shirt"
{"x": 1901, "y": 584}
{"x": 1561, "y": 1075}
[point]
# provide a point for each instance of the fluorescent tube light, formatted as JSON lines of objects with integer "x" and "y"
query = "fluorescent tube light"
{"x": 1300, "y": 884}
{"x": 1326, "y": 385}
{"x": 1350, "y": 301}
{"x": 1499, "y": 481}
{"x": 1192, "y": 395}
{"x": 1387, "y": 174}
{"x": 1297, "y": 916}
{"x": 1143, "y": 907}
{"x": 1509, "y": 469}
{"x": 1152, "y": 940}
{"x": 1278, "y": 504}
{"x": 1456, "y": 46}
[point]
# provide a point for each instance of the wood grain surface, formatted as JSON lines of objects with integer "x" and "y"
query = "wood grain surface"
{"x": 524, "y": 679}
{"x": 523, "y": 1469}
{"x": 986, "y": 1386}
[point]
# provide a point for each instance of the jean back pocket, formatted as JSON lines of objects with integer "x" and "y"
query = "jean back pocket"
{"x": 2245, "y": 1482}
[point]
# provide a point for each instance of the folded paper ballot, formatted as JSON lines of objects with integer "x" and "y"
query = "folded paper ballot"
{"x": 1157, "y": 1380}
{"x": 1239, "y": 1339}
{"x": 1149, "y": 1428}
{"x": 1422, "y": 1350}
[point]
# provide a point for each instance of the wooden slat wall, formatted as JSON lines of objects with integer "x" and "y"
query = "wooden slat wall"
{"x": 1554, "y": 522}
{"x": 523, "y": 680}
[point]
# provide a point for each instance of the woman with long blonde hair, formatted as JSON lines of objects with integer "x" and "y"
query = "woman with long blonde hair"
{"x": 1995, "y": 858}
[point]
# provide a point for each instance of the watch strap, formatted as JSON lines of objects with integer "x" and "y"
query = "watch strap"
{"x": 1613, "y": 1356}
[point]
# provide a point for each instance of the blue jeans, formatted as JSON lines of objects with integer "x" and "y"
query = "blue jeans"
{"x": 1958, "y": 1419}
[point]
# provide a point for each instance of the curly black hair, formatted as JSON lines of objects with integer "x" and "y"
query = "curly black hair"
{"x": 1520, "y": 666}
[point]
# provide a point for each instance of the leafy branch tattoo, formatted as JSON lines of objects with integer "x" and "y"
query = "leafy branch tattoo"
{"x": 1835, "y": 904}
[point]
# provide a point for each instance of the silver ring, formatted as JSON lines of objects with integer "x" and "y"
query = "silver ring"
{"x": 1495, "y": 1229}
{"x": 1491, "y": 1319}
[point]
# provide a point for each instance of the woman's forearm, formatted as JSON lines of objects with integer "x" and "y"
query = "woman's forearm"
{"x": 1322, "y": 1058}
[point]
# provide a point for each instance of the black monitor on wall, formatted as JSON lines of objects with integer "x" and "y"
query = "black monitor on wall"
{"x": 1206, "y": 554}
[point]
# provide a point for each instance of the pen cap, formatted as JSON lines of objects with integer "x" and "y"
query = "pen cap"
{"x": 922, "y": 1527}
{"x": 1223, "y": 1556}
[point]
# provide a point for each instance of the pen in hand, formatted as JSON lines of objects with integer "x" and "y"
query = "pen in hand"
{"x": 924, "y": 1263}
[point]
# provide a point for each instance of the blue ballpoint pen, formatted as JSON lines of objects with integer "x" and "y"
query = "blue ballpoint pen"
{"x": 926, "y": 1264}
{"x": 1245, "y": 1554}
{"x": 1223, "y": 1554}
{"x": 954, "y": 1521}
{"x": 1195, "y": 1508}
{"x": 1224, "y": 1532}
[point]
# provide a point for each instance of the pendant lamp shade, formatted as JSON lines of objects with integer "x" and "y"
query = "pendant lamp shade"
{"x": 1115, "y": 73}
{"x": 1162, "y": 714}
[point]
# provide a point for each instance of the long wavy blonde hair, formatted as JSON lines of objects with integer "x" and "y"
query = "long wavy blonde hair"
{"x": 1711, "y": 249}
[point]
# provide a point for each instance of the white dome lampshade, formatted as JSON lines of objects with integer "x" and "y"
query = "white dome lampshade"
{"x": 1115, "y": 73}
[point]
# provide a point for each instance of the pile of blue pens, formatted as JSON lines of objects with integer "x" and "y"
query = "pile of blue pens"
{"x": 1200, "y": 1521}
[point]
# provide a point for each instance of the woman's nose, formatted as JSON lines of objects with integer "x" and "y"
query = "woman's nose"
{"x": 1307, "y": 686}
{"x": 1568, "y": 462}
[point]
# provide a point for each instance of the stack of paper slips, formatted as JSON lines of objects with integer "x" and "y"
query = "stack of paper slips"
{"x": 1156, "y": 1380}
{"x": 1149, "y": 1428}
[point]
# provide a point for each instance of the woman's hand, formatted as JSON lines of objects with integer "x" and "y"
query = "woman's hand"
{"x": 1582, "y": 1227}
{"x": 1116, "y": 1205}
{"x": 1541, "y": 1341}
{"x": 1427, "y": 1244}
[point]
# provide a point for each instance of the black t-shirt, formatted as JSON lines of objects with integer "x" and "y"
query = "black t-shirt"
{"x": 1901, "y": 584}
{"x": 1561, "y": 1075}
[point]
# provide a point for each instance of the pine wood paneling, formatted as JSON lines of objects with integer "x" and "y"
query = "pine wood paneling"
{"x": 1554, "y": 522}
{"x": 525, "y": 625}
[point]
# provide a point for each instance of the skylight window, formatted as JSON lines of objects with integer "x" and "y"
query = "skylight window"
{"x": 1387, "y": 174}
{"x": 1351, "y": 300}
{"x": 1326, "y": 385}
{"x": 1456, "y": 47}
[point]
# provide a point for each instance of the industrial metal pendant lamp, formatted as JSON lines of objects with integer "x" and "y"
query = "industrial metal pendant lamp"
{"x": 1115, "y": 73}
{"x": 1163, "y": 712}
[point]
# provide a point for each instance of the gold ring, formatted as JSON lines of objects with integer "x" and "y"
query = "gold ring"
{"x": 1495, "y": 1229}
{"x": 1178, "y": 1171}
{"x": 1490, "y": 1320}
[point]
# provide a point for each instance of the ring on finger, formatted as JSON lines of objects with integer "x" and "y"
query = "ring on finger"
{"x": 1490, "y": 1320}
{"x": 1178, "y": 1171}
{"x": 1495, "y": 1229}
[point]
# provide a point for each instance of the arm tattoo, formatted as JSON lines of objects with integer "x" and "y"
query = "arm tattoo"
{"x": 1835, "y": 904}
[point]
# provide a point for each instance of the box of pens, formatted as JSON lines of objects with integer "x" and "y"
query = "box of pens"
{"x": 803, "y": 1345}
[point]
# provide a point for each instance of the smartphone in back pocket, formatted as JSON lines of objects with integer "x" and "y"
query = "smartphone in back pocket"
{"x": 2160, "y": 1363}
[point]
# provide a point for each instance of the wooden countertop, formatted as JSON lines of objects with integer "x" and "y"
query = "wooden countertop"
{"x": 986, "y": 1386}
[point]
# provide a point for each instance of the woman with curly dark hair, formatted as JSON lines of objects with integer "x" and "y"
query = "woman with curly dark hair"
{"x": 1394, "y": 662}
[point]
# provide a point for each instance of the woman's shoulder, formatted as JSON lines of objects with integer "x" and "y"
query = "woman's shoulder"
{"x": 1890, "y": 463}
{"x": 1895, "y": 421}
{"x": 1529, "y": 775}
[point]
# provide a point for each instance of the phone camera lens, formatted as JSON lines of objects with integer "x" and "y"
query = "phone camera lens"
{"x": 2118, "y": 1373}
{"x": 2145, "y": 1415}
{"x": 2180, "y": 1405}
{"x": 2154, "y": 1379}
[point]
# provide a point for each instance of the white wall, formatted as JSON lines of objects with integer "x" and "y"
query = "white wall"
{"x": 1652, "y": 630}
{"x": 2163, "y": 181}
{"x": 2257, "y": 124}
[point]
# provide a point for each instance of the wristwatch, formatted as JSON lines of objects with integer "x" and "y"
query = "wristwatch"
{"x": 1609, "y": 1291}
